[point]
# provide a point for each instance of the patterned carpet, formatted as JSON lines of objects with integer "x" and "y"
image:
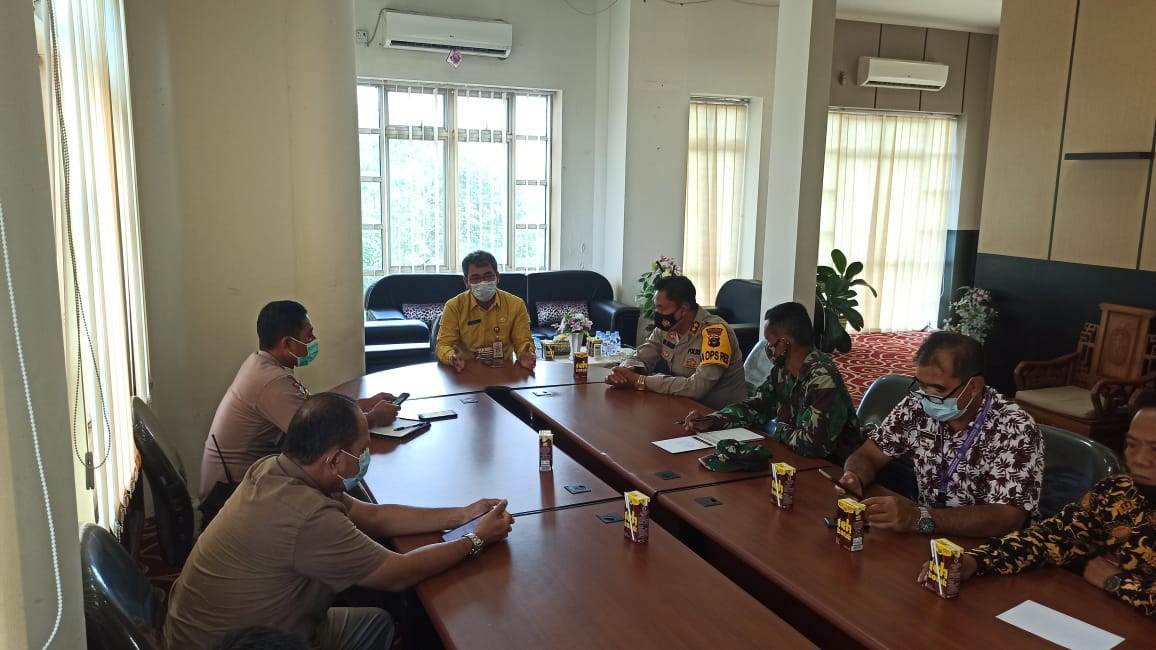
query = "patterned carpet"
{"x": 875, "y": 355}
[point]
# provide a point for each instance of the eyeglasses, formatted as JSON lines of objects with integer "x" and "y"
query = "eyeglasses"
{"x": 913, "y": 388}
{"x": 489, "y": 277}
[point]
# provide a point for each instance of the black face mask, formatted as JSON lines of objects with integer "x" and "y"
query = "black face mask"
{"x": 665, "y": 322}
{"x": 778, "y": 360}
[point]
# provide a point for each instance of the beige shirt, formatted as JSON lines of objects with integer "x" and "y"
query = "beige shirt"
{"x": 700, "y": 364}
{"x": 276, "y": 555}
{"x": 251, "y": 419}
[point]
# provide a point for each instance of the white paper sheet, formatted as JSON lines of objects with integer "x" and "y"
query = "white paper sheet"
{"x": 679, "y": 445}
{"x": 1059, "y": 628}
{"x": 712, "y": 438}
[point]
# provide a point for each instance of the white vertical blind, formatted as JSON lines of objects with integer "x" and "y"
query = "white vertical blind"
{"x": 887, "y": 187}
{"x": 99, "y": 252}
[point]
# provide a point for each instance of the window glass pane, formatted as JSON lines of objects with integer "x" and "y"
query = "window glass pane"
{"x": 371, "y": 249}
{"x": 530, "y": 158}
{"x": 482, "y": 113}
{"x": 530, "y": 204}
{"x": 416, "y": 202}
{"x": 531, "y": 115}
{"x": 367, "y": 281}
{"x": 530, "y": 249}
{"x": 482, "y": 190}
{"x": 370, "y": 202}
{"x": 370, "y": 145}
{"x": 416, "y": 109}
{"x": 368, "y": 110}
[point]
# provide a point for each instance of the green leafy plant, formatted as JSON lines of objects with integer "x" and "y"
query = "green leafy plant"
{"x": 972, "y": 314}
{"x": 836, "y": 301}
{"x": 662, "y": 267}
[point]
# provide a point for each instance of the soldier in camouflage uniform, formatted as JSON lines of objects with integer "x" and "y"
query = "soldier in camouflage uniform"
{"x": 804, "y": 393}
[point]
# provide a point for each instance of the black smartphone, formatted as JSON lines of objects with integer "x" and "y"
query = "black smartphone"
{"x": 436, "y": 415}
{"x": 400, "y": 398}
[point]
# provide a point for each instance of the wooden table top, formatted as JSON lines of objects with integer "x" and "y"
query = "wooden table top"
{"x": 615, "y": 426}
{"x": 484, "y": 452}
{"x": 872, "y": 595}
{"x": 564, "y": 579}
{"x": 433, "y": 379}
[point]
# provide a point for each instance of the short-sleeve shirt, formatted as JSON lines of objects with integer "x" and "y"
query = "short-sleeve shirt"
{"x": 276, "y": 555}
{"x": 251, "y": 419}
{"x": 1005, "y": 464}
{"x": 474, "y": 329}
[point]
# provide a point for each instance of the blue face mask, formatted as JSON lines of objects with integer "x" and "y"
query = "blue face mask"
{"x": 310, "y": 352}
{"x": 944, "y": 411}
{"x": 362, "y": 468}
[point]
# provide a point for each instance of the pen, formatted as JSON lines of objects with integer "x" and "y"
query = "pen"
{"x": 836, "y": 482}
{"x": 701, "y": 418}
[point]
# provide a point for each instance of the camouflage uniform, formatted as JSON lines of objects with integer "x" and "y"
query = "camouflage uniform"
{"x": 814, "y": 412}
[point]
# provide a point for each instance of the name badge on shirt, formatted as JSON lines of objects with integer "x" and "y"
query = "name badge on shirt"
{"x": 473, "y": 322}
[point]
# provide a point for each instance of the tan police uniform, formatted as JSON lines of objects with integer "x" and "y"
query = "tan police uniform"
{"x": 704, "y": 364}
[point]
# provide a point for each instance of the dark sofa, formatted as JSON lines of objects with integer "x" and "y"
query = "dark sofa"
{"x": 739, "y": 302}
{"x": 402, "y": 307}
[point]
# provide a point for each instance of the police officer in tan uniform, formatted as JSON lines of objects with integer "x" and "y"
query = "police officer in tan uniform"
{"x": 691, "y": 352}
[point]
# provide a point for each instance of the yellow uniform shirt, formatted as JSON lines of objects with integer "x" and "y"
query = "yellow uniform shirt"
{"x": 472, "y": 328}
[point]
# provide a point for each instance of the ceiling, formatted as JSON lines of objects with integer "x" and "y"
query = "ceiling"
{"x": 966, "y": 15}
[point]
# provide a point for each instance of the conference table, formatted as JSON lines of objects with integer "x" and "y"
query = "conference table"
{"x": 565, "y": 579}
{"x": 435, "y": 379}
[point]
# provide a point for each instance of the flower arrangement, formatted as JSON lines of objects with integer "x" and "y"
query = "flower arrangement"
{"x": 662, "y": 267}
{"x": 972, "y": 314}
{"x": 575, "y": 323}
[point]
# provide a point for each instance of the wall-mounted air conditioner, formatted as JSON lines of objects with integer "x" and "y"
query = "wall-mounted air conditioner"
{"x": 896, "y": 73}
{"x": 436, "y": 34}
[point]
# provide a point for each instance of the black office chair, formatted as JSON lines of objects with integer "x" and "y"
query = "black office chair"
{"x": 1072, "y": 465}
{"x": 171, "y": 501}
{"x": 121, "y": 608}
{"x": 882, "y": 396}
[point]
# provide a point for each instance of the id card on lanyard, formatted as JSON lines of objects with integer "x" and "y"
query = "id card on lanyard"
{"x": 972, "y": 434}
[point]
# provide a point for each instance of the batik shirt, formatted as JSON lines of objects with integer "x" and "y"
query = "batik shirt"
{"x": 1005, "y": 463}
{"x": 814, "y": 412}
{"x": 1114, "y": 520}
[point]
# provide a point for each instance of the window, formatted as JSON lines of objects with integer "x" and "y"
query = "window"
{"x": 448, "y": 170}
{"x": 887, "y": 187}
{"x": 715, "y": 170}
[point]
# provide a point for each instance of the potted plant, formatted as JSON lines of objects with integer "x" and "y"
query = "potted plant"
{"x": 662, "y": 267}
{"x": 972, "y": 314}
{"x": 573, "y": 329}
{"x": 836, "y": 302}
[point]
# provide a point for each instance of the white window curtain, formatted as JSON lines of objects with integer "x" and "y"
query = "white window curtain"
{"x": 99, "y": 253}
{"x": 715, "y": 168}
{"x": 887, "y": 186}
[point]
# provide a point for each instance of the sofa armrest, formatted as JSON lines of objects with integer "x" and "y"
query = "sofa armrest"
{"x": 385, "y": 313}
{"x": 1111, "y": 396}
{"x": 387, "y": 332}
{"x": 1030, "y": 375}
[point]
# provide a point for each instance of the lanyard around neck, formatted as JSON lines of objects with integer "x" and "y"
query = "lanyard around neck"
{"x": 972, "y": 434}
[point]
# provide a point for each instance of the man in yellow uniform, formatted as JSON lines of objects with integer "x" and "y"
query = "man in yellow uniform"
{"x": 484, "y": 323}
{"x": 691, "y": 352}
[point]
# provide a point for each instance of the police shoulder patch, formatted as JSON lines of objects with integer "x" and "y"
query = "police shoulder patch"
{"x": 716, "y": 346}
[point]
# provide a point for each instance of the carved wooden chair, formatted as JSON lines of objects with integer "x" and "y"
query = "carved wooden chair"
{"x": 1089, "y": 391}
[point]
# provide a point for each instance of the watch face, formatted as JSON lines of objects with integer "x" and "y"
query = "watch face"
{"x": 1112, "y": 583}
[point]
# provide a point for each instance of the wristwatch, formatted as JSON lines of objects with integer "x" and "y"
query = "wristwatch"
{"x": 1112, "y": 583}
{"x": 640, "y": 383}
{"x": 925, "y": 525}
{"x": 476, "y": 541}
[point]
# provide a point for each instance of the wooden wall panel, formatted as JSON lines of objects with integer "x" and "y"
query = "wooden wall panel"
{"x": 1026, "y": 124}
{"x": 1098, "y": 212}
{"x": 1112, "y": 101}
{"x": 900, "y": 42}
{"x": 853, "y": 39}
{"x": 1148, "y": 243}
{"x": 950, "y": 48}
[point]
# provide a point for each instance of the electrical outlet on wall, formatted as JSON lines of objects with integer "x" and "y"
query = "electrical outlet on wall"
{"x": 361, "y": 36}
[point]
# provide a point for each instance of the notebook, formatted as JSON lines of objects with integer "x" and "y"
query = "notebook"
{"x": 706, "y": 440}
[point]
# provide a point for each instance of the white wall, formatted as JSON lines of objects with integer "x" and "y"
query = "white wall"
{"x": 247, "y": 157}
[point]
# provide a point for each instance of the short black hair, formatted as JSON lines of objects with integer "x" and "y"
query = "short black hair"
{"x": 260, "y": 637}
{"x": 678, "y": 288}
{"x": 324, "y": 420}
{"x": 479, "y": 259}
{"x": 277, "y": 320}
{"x": 793, "y": 319}
{"x": 966, "y": 353}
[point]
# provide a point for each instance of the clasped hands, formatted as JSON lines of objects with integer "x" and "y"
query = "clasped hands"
{"x": 622, "y": 377}
{"x": 527, "y": 358}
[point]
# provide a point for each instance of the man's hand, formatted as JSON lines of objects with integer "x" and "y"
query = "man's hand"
{"x": 967, "y": 568}
{"x": 495, "y": 525}
{"x": 457, "y": 360}
{"x": 697, "y": 423}
{"x": 369, "y": 402}
{"x": 891, "y": 513}
{"x": 528, "y": 358}
{"x": 849, "y": 483}
{"x": 1098, "y": 570}
{"x": 382, "y": 414}
{"x": 622, "y": 377}
{"x": 477, "y": 509}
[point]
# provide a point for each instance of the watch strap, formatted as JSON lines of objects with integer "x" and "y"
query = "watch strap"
{"x": 926, "y": 523}
{"x": 476, "y": 543}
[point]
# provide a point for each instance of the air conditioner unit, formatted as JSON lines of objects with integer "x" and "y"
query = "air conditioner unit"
{"x": 896, "y": 73}
{"x": 436, "y": 34}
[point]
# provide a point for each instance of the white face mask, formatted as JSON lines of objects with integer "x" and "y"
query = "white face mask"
{"x": 484, "y": 291}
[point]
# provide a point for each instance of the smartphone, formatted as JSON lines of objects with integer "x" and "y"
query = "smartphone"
{"x": 400, "y": 398}
{"x": 824, "y": 474}
{"x": 460, "y": 532}
{"x": 436, "y": 415}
